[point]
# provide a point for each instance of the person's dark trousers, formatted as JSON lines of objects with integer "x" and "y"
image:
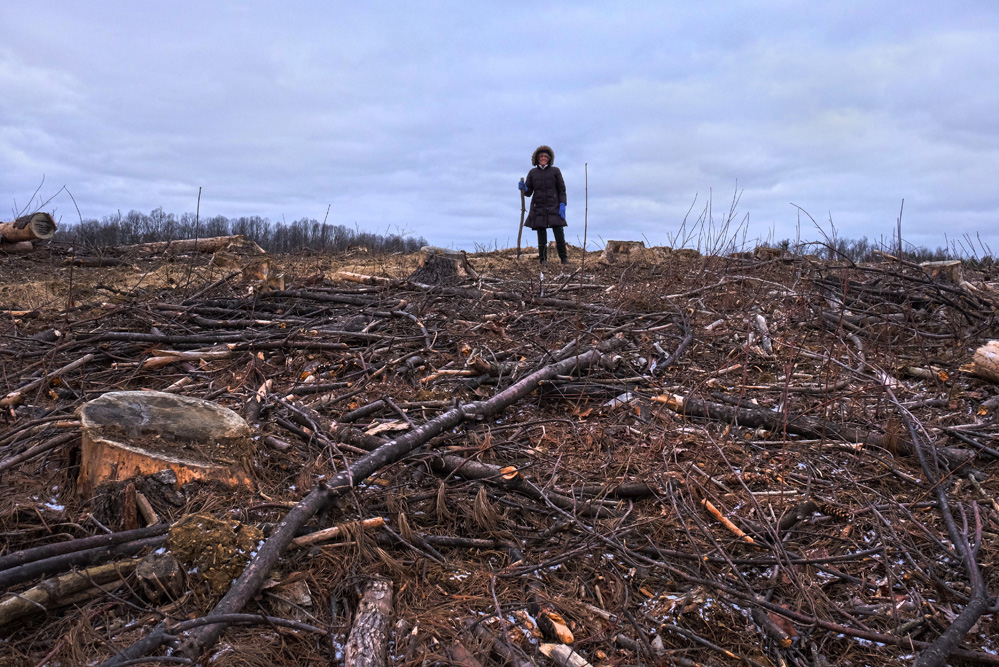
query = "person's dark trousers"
{"x": 559, "y": 233}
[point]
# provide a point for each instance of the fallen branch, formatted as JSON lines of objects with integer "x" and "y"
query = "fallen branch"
{"x": 16, "y": 396}
{"x": 334, "y": 532}
{"x": 322, "y": 496}
{"x": 732, "y": 528}
{"x": 57, "y": 592}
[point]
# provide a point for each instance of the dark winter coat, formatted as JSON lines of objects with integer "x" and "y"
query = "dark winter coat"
{"x": 546, "y": 189}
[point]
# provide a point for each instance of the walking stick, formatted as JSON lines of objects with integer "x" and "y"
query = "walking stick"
{"x": 523, "y": 209}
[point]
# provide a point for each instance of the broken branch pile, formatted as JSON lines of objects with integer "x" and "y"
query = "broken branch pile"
{"x": 703, "y": 461}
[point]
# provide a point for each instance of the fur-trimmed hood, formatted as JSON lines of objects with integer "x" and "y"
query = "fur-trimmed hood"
{"x": 543, "y": 149}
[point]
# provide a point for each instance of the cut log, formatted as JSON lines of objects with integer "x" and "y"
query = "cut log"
{"x": 132, "y": 433}
{"x": 19, "y": 248}
{"x": 554, "y": 626}
{"x": 986, "y": 361}
{"x": 211, "y": 244}
{"x": 329, "y": 534}
{"x": 367, "y": 645}
{"x": 28, "y": 228}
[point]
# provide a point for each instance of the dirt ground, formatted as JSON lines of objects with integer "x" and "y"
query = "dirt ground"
{"x": 772, "y": 461}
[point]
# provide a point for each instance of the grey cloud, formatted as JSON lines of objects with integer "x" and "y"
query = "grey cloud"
{"x": 423, "y": 116}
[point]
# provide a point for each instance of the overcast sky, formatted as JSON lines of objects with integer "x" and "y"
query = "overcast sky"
{"x": 420, "y": 117}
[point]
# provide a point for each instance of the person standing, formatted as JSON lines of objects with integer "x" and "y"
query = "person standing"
{"x": 545, "y": 187}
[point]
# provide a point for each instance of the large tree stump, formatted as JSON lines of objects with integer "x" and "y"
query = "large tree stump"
{"x": 367, "y": 645}
{"x": 950, "y": 271}
{"x": 28, "y": 228}
{"x": 131, "y": 433}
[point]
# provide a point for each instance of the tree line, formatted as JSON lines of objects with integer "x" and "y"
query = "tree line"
{"x": 275, "y": 237}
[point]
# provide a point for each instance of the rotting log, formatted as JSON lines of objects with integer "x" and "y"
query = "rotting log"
{"x": 37, "y": 226}
{"x": 323, "y": 495}
{"x": 367, "y": 645}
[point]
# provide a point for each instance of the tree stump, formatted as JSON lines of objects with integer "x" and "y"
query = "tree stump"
{"x": 132, "y": 433}
{"x": 627, "y": 252}
{"x": 950, "y": 271}
{"x": 767, "y": 253}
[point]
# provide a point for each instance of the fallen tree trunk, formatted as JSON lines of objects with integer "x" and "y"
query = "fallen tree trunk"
{"x": 28, "y": 228}
{"x": 211, "y": 244}
{"x": 323, "y": 495}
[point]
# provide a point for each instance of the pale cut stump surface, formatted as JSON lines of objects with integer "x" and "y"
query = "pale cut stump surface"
{"x": 130, "y": 433}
